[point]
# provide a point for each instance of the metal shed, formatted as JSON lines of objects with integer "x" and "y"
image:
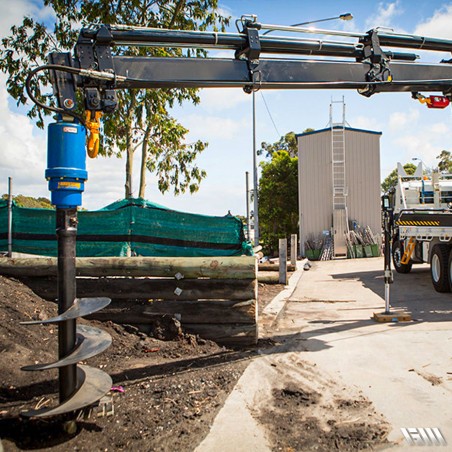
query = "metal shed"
{"x": 338, "y": 172}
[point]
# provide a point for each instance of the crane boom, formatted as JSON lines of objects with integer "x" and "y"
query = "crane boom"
{"x": 289, "y": 63}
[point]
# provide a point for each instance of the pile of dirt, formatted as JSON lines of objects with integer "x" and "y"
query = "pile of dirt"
{"x": 172, "y": 389}
{"x": 20, "y": 344}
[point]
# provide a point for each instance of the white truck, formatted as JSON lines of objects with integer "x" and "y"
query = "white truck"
{"x": 422, "y": 225}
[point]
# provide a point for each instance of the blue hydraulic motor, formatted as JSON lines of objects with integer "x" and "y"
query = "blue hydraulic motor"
{"x": 66, "y": 163}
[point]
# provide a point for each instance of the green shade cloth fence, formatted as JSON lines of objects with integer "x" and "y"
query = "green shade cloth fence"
{"x": 130, "y": 226}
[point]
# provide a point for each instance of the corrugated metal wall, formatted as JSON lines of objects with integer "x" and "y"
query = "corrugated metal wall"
{"x": 362, "y": 156}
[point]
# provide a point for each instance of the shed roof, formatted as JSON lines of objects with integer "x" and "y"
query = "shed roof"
{"x": 338, "y": 127}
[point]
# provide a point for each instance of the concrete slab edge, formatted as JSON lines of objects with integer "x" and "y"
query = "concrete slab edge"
{"x": 275, "y": 308}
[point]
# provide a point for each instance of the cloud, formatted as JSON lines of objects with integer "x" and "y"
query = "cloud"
{"x": 386, "y": 12}
{"x": 421, "y": 140}
{"x": 220, "y": 99}
{"x": 211, "y": 128}
{"x": 366, "y": 123}
{"x": 23, "y": 148}
{"x": 399, "y": 119}
{"x": 417, "y": 145}
{"x": 438, "y": 25}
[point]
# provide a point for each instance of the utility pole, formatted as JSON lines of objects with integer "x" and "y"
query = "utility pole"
{"x": 255, "y": 178}
{"x": 247, "y": 174}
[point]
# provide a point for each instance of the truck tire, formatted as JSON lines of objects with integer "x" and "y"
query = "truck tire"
{"x": 439, "y": 268}
{"x": 450, "y": 268}
{"x": 397, "y": 253}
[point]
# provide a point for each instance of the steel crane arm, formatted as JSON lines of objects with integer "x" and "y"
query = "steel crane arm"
{"x": 275, "y": 74}
{"x": 363, "y": 65}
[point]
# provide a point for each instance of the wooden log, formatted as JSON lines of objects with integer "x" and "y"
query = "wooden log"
{"x": 146, "y": 288}
{"x": 221, "y": 312}
{"x": 242, "y": 267}
{"x": 235, "y": 335}
{"x": 268, "y": 278}
{"x": 275, "y": 268}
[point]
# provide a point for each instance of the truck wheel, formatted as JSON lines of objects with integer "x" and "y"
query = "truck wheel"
{"x": 439, "y": 268}
{"x": 397, "y": 253}
{"x": 450, "y": 268}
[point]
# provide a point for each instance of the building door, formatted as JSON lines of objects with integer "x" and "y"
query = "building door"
{"x": 340, "y": 228}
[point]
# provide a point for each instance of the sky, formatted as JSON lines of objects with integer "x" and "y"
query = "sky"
{"x": 224, "y": 117}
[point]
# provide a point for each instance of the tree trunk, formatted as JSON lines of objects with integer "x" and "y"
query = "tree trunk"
{"x": 130, "y": 147}
{"x": 144, "y": 159}
{"x": 129, "y": 171}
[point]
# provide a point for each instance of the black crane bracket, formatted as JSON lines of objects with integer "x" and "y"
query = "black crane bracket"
{"x": 251, "y": 53}
{"x": 377, "y": 59}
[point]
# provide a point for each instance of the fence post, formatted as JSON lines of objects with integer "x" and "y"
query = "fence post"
{"x": 283, "y": 261}
{"x": 293, "y": 249}
{"x": 10, "y": 217}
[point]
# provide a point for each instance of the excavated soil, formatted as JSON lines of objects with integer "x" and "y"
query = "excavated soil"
{"x": 172, "y": 389}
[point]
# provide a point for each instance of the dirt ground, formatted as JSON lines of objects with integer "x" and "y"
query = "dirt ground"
{"x": 167, "y": 392}
{"x": 314, "y": 412}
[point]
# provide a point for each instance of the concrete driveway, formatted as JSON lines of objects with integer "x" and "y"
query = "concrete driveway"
{"x": 405, "y": 369}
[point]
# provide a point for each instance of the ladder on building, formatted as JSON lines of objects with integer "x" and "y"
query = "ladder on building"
{"x": 338, "y": 158}
{"x": 339, "y": 182}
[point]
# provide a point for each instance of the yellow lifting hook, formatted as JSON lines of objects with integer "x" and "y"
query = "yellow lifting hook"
{"x": 93, "y": 125}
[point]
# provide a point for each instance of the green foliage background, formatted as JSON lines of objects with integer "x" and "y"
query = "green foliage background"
{"x": 29, "y": 201}
{"x": 278, "y": 200}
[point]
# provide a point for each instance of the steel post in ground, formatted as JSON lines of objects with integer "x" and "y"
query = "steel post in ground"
{"x": 293, "y": 249}
{"x": 247, "y": 206}
{"x": 255, "y": 178}
{"x": 10, "y": 216}
{"x": 283, "y": 261}
{"x": 387, "y": 258}
{"x": 66, "y": 230}
{"x": 387, "y": 223}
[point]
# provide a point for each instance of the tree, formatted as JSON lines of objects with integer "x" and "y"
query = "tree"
{"x": 445, "y": 162}
{"x": 29, "y": 201}
{"x": 391, "y": 179}
{"x": 278, "y": 199}
{"x": 142, "y": 119}
{"x": 288, "y": 143}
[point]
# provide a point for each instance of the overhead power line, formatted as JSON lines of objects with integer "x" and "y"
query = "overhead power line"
{"x": 269, "y": 114}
